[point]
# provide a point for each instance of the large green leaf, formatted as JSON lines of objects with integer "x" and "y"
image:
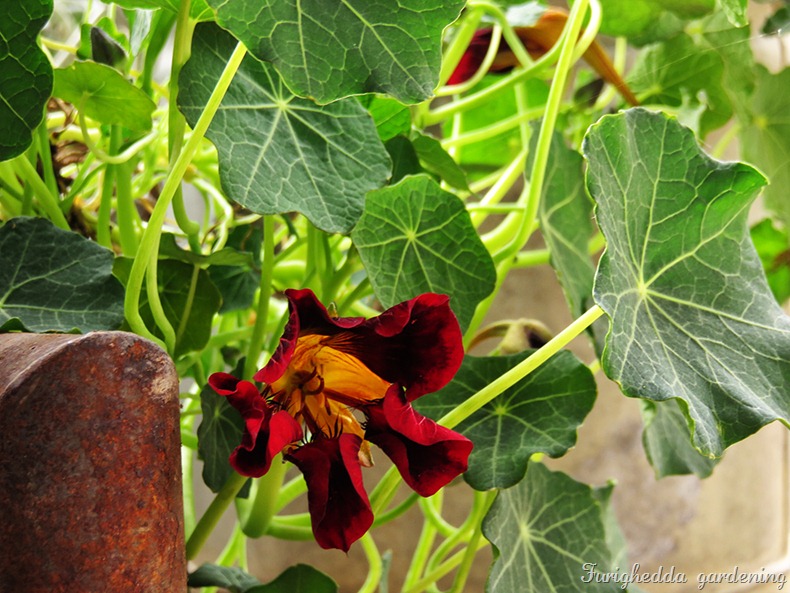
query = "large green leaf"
{"x": 667, "y": 441}
{"x": 55, "y": 280}
{"x": 549, "y": 532}
{"x": 692, "y": 315}
{"x": 415, "y": 237}
{"x": 300, "y": 578}
{"x": 279, "y": 153}
{"x": 540, "y": 414}
{"x": 356, "y": 46}
{"x": 103, "y": 94}
{"x": 392, "y": 117}
{"x": 25, "y": 74}
{"x": 735, "y": 11}
{"x": 766, "y": 137}
{"x": 219, "y": 433}
{"x": 677, "y": 72}
{"x": 566, "y": 221}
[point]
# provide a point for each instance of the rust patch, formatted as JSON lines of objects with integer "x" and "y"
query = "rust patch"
{"x": 90, "y": 473}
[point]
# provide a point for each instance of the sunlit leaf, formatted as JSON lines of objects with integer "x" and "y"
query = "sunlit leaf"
{"x": 55, "y": 280}
{"x": 103, "y": 94}
{"x": 540, "y": 414}
{"x": 357, "y": 46}
{"x": 198, "y": 9}
{"x": 25, "y": 74}
{"x": 279, "y": 153}
{"x": 773, "y": 247}
{"x": 414, "y": 237}
{"x": 692, "y": 315}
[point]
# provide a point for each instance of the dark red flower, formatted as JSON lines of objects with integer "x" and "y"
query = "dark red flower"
{"x": 338, "y": 504}
{"x": 266, "y": 432}
{"x": 427, "y": 455}
{"x": 323, "y": 370}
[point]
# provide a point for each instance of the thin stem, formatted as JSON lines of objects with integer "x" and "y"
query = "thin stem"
{"x": 45, "y": 154}
{"x": 397, "y": 511}
{"x": 48, "y": 202}
{"x": 213, "y": 514}
{"x": 421, "y": 554}
{"x": 483, "y": 502}
{"x": 374, "y": 564}
{"x": 150, "y": 238}
{"x": 264, "y": 295}
{"x": 290, "y": 491}
{"x": 256, "y": 512}
{"x": 155, "y": 303}
{"x": 521, "y": 370}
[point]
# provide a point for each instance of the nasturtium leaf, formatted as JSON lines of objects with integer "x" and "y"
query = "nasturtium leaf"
{"x": 765, "y": 137}
{"x": 437, "y": 161}
{"x": 25, "y": 74}
{"x": 688, "y": 8}
{"x": 773, "y": 247}
{"x": 232, "y": 578}
{"x": 238, "y": 284}
{"x": 354, "y": 47}
{"x": 392, "y": 117}
{"x": 279, "y": 153}
{"x": 198, "y": 9}
{"x": 566, "y": 221}
{"x": 716, "y": 34}
{"x": 55, "y": 280}
{"x": 404, "y": 158}
{"x": 692, "y": 316}
{"x": 220, "y": 431}
{"x": 549, "y": 531}
{"x": 624, "y": 18}
{"x": 735, "y": 11}
{"x": 677, "y": 71}
{"x": 667, "y": 441}
{"x": 540, "y": 414}
{"x": 300, "y": 578}
{"x": 103, "y": 94}
{"x": 414, "y": 237}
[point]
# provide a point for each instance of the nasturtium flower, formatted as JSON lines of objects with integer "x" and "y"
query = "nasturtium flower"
{"x": 336, "y": 384}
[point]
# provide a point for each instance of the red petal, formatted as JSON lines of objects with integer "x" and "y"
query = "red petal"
{"x": 427, "y": 455}
{"x": 473, "y": 57}
{"x": 416, "y": 343}
{"x": 336, "y": 497}
{"x": 265, "y": 435}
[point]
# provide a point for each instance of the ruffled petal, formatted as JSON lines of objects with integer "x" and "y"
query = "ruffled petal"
{"x": 417, "y": 343}
{"x": 265, "y": 434}
{"x": 427, "y": 455}
{"x": 336, "y": 497}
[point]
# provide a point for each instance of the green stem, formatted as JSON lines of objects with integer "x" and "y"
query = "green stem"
{"x": 155, "y": 303}
{"x": 445, "y": 568}
{"x": 176, "y": 121}
{"x": 45, "y": 154}
{"x": 264, "y": 295}
{"x": 128, "y": 219}
{"x": 257, "y": 511}
{"x": 213, "y": 514}
{"x": 384, "y": 491}
{"x": 432, "y": 512}
{"x": 103, "y": 235}
{"x": 47, "y": 201}
{"x": 421, "y": 553}
{"x": 148, "y": 244}
{"x": 483, "y": 502}
{"x": 455, "y": 51}
{"x": 397, "y": 511}
{"x": 521, "y": 370}
{"x": 182, "y": 326}
{"x": 290, "y": 491}
{"x": 289, "y": 532}
{"x": 374, "y": 564}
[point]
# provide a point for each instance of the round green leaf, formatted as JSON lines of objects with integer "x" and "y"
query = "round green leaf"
{"x": 104, "y": 95}
{"x": 55, "y": 280}
{"x": 692, "y": 316}
{"x": 279, "y": 153}
{"x": 548, "y": 531}
{"x": 414, "y": 237}
{"x": 540, "y": 414}
{"x": 354, "y": 47}
{"x": 25, "y": 74}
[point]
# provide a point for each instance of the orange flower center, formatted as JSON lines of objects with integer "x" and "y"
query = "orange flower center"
{"x": 322, "y": 385}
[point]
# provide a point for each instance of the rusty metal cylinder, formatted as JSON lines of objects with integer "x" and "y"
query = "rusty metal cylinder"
{"x": 90, "y": 474}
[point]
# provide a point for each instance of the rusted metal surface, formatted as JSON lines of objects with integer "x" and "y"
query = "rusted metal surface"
{"x": 90, "y": 475}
